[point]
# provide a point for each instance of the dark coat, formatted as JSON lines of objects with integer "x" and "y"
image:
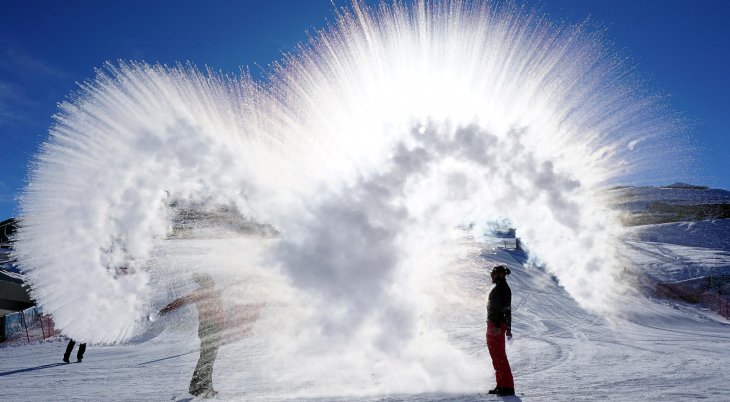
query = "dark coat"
{"x": 499, "y": 306}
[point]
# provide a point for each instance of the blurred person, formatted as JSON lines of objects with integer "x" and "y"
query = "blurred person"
{"x": 210, "y": 324}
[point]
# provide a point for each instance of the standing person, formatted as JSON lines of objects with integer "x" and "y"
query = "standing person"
{"x": 70, "y": 348}
{"x": 210, "y": 323}
{"x": 499, "y": 325}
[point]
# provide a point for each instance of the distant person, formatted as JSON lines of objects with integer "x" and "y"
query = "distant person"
{"x": 210, "y": 324}
{"x": 499, "y": 325}
{"x": 70, "y": 348}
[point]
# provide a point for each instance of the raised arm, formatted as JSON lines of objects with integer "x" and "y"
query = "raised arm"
{"x": 177, "y": 304}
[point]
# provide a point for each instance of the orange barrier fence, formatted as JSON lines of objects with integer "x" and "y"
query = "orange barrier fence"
{"x": 29, "y": 325}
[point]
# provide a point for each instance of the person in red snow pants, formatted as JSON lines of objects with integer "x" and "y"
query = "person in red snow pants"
{"x": 499, "y": 326}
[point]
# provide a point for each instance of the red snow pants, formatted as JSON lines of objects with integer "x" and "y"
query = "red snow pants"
{"x": 495, "y": 344}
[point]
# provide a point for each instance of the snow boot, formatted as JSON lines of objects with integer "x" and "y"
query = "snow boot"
{"x": 65, "y": 360}
{"x": 505, "y": 391}
{"x": 494, "y": 391}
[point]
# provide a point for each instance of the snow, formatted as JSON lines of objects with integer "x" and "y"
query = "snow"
{"x": 364, "y": 153}
{"x": 659, "y": 351}
{"x": 679, "y": 251}
{"x": 710, "y": 234}
{"x": 636, "y": 199}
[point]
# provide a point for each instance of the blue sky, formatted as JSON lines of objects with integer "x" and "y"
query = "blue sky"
{"x": 46, "y": 47}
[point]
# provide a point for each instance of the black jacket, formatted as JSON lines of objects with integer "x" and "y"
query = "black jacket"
{"x": 499, "y": 306}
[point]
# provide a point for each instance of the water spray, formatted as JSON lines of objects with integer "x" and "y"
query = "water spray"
{"x": 335, "y": 190}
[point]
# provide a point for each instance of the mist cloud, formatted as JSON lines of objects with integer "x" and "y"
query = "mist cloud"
{"x": 367, "y": 155}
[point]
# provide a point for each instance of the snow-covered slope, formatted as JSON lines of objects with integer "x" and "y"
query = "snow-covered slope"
{"x": 635, "y": 199}
{"x": 656, "y": 350}
{"x": 660, "y": 351}
{"x": 708, "y": 234}
{"x": 676, "y": 203}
